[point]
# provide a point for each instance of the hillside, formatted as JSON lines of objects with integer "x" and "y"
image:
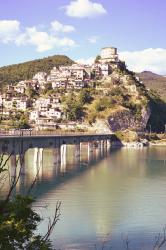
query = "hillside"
{"x": 25, "y": 71}
{"x": 155, "y": 82}
{"x": 118, "y": 101}
{"x": 122, "y": 101}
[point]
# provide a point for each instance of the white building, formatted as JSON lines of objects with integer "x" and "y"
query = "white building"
{"x": 79, "y": 84}
{"x": 22, "y": 105}
{"x": 54, "y": 113}
{"x": 8, "y": 104}
{"x": 78, "y": 71}
{"x": 56, "y": 84}
{"x": 40, "y": 76}
{"x": 34, "y": 115}
{"x": 42, "y": 103}
{"x": 20, "y": 87}
{"x": 105, "y": 69}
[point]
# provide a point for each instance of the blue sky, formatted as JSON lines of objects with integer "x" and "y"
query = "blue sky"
{"x": 31, "y": 29}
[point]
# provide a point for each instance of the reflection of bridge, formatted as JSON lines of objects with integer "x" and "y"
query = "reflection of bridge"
{"x": 19, "y": 144}
{"x": 50, "y": 175}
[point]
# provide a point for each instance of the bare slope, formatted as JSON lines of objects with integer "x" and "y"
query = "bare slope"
{"x": 154, "y": 82}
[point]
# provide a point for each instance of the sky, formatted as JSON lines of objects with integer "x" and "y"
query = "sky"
{"x": 31, "y": 29}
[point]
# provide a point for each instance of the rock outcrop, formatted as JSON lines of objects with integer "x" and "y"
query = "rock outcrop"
{"x": 125, "y": 119}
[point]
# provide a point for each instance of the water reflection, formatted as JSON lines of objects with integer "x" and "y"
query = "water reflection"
{"x": 123, "y": 193}
{"x": 49, "y": 168}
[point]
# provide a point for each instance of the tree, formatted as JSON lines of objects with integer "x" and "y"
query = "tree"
{"x": 97, "y": 60}
{"x": 48, "y": 86}
{"x": 14, "y": 104}
{"x": 74, "y": 111}
{"x": 31, "y": 93}
{"x": 25, "y": 71}
{"x": 85, "y": 96}
{"x": 20, "y": 120}
{"x": 18, "y": 220}
{"x": 91, "y": 117}
{"x": 73, "y": 108}
{"x": 23, "y": 124}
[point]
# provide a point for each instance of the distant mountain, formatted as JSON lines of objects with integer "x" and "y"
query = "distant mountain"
{"x": 26, "y": 70}
{"x": 154, "y": 81}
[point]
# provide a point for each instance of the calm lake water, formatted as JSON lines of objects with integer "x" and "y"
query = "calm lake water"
{"x": 105, "y": 198}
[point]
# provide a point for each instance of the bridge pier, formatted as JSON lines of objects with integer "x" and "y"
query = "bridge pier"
{"x": 98, "y": 150}
{"x": 105, "y": 147}
{"x": 63, "y": 151}
{"x": 90, "y": 151}
{"x": 81, "y": 146}
{"x": 77, "y": 150}
{"x": 57, "y": 155}
{"x": 38, "y": 158}
{"x": 109, "y": 143}
{"x": 100, "y": 146}
{"x": 13, "y": 161}
{"x": 77, "y": 153}
{"x": 22, "y": 163}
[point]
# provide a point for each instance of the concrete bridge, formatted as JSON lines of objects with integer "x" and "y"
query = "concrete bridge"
{"x": 18, "y": 144}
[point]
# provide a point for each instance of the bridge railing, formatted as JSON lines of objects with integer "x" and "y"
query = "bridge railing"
{"x": 30, "y": 132}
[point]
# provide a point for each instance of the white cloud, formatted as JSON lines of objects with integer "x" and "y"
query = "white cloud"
{"x": 8, "y": 30}
{"x": 59, "y": 27}
{"x": 84, "y": 8}
{"x": 43, "y": 41}
{"x": 93, "y": 39}
{"x": 87, "y": 61}
{"x": 149, "y": 59}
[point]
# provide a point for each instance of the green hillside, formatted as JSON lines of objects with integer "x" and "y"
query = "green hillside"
{"x": 25, "y": 71}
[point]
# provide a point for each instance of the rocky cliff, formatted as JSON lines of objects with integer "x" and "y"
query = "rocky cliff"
{"x": 125, "y": 119}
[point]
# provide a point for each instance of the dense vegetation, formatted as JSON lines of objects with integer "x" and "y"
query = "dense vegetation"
{"x": 25, "y": 71}
{"x": 74, "y": 105}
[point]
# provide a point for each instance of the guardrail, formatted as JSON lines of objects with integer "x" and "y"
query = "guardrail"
{"x": 30, "y": 132}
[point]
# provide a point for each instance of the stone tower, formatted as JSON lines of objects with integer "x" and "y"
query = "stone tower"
{"x": 108, "y": 55}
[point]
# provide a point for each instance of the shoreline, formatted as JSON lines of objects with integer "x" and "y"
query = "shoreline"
{"x": 138, "y": 144}
{"x": 157, "y": 144}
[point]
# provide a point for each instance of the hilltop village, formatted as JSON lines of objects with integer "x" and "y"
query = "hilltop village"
{"x": 41, "y": 102}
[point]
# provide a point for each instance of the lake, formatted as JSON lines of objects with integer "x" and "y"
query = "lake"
{"x": 106, "y": 199}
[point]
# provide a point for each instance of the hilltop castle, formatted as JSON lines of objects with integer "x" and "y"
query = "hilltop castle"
{"x": 109, "y": 55}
